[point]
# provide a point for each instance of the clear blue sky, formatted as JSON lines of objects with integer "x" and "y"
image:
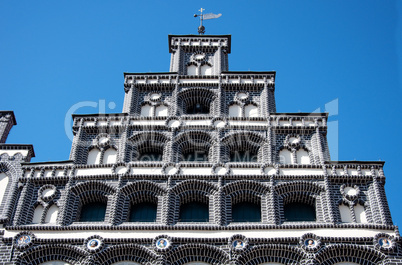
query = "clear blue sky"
{"x": 55, "y": 54}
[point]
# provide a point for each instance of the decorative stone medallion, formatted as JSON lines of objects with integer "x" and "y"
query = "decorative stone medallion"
{"x": 47, "y": 192}
{"x": 310, "y": 242}
{"x": 23, "y": 240}
{"x": 384, "y": 242}
{"x": 154, "y": 96}
{"x": 238, "y": 243}
{"x": 162, "y": 243}
{"x": 242, "y": 96}
{"x": 350, "y": 193}
{"x": 94, "y": 243}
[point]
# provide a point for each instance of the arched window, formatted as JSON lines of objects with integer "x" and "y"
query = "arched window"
{"x": 298, "y": 212}
{"x": 235, "y": 111}
{"x": 51, "y": 215}
{"x": 285, "y": 157}
{"x": 161, "y": 111}
{"x": 3, "y": 185}
{"x": 344, "y": 210}
{"x": 143, "y": 212}
{"x": 110, "y": 156}
{"x": 194, "y": 212}
{"x": 37, "y": 214}
{"x": 196, "y": 156}
{"x": 243, "y": 156}
{"x": 198, "y": 108}
{"x": 94, "y": 157}
{"x": 146, "y": 110}
{"x": 150, "y": 156}
{"x": 93, "y": 212}
{"x": 250, "y": 111}
{"x": 246, "y": 212}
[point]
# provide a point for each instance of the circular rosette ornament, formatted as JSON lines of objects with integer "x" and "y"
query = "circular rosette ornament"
{"x": 310, "y": 242}
{"x": 350, "y": 193}
{"x": 23, "y": 240}
{"x": 94, "y": 243}
{"x": 238, "y": 243}
{"x": 162, "y": 243}
{"x": 384, "y": 242}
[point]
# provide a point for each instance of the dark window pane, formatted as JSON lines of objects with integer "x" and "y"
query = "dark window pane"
{"x": 196, "y": 156}
{"x": 243, "y": 156}
{"x": 198, "y": 108}
{"x": 143, "y": 212}
{"x": 194, "y": 212}
{"x": 246, "y": 212}
{"x": 151, "y": 156}
{"x": 93, "y": 212}
{"x": 296, "y": 211}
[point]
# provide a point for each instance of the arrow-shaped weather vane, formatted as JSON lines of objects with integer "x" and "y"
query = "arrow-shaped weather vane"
{"x": 201, "y": 28}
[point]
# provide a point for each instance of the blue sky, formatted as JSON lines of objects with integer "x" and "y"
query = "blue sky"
{"x": 338, "y": 56}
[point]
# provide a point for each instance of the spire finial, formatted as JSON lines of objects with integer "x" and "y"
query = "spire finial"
{"x": 201, "y": 28}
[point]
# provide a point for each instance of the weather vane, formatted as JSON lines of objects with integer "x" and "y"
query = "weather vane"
{"x": 201, "y": 28}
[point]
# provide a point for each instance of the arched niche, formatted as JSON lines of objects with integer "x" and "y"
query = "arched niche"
{"x": 345, "y": 213}
{"x": 285, "y": 157}
{"x": 192, "y": 70}
{"x": 302, "y": 157}
{"x": 110, "y": 156}
{"x": 37, "y": 214}
{"x": 250, "y": 110}
{"x": 55, "y": 262}
{"x": 94, "y": 157}
{"x": 360, "y": 213}
{"x": 206, "y": 70}
{"x": 146, "y": 110}
{"x": 51, "y": 215}
{"x": 161, "y": 111}
{"x": 235, "y": 111}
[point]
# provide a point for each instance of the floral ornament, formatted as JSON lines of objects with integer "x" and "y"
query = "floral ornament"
{"x": 162, "y": 243}
{"x": 384, "y": 242}
{"x": 310, "y": 242}
{"x": 238, "y": 243}
{"x": 350, "y": 193}
{"x": 24, "y": 240}
{"x": 94, "y": 243}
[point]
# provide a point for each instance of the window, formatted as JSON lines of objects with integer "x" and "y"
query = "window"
{"x": 161, "y": 111}
{"x": 146, "y": 110}
{"x": 198, "y": 108}
{"x": 302, "y": 157}
{"x": 150, "y": 156}
{"x": 194, "y": 212}
{"x": 243, "y": 156}
{"x": 298, "y": 212}
{"x": 93, "y": 212}
{"x": 143, "y": 212}
{"x": 345, "y": 213}
{"x": 246, "y": 212}
{"x": 196, "y": 156}
{"x": 360, "y": 213}
{"x": 285, "y": 157}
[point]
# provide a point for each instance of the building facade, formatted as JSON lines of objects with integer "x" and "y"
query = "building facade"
{"x": 199, "y": 168}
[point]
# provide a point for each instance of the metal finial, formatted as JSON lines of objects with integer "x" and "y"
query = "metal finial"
{"x": 201, "y": 28}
